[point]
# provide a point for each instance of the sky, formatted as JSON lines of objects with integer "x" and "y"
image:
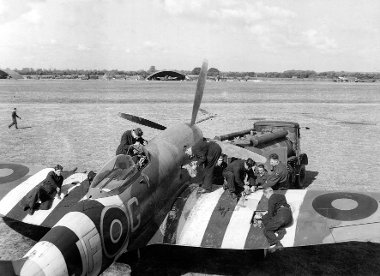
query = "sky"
{"x": 233, "y": 35}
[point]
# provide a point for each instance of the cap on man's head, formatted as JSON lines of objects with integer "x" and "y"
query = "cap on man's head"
{"x": 273, "y": 156}
{"x": 138, "y": 132}
{"x": 261, "y": 166}
{"x": 250, "y": 163}
{"x": 58, "y": 167}
{"x": 91, "y": 175}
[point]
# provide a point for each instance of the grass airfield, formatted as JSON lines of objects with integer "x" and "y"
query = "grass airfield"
{"x": 81, "y": 129}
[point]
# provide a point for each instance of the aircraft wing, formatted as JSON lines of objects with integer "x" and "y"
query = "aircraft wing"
{"x": 214, "y": 220}
{"x": 17, "y": 180}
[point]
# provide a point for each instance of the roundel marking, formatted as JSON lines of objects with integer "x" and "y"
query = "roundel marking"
{"x": 12, "y": 172}
{"x": 115, "y": 230}
{"x": 345, "y": 206}
{"x": 5, "y": 172}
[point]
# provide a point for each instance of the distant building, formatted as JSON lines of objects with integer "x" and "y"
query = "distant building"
{"x": 346, "y": 79}
{"x": 109, "y": 75}
{"x": 343, "y": 79}
{"x": 166, "y": 76}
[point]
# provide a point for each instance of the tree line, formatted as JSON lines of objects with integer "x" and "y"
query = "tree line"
{"x": 212, "y": 72}
{"x": 301, "y": 74}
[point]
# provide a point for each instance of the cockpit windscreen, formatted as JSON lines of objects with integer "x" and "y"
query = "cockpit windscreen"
{"x": 115, "y": 173}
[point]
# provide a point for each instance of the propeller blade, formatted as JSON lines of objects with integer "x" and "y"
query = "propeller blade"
{"x": 207, "y": 118}
{"x": 199, "y": 92}
{"x": 141, "y": 121}
{"x": 238, "y": 152}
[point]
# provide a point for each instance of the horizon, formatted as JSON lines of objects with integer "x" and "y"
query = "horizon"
{"x": 234, "y": 35}
{"x": 179, "y": 70}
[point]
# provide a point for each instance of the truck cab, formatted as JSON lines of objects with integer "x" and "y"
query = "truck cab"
{"x": 280, "y": 137}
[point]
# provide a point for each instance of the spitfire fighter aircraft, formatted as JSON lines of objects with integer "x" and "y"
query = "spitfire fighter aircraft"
{"x": 128, "y": 206}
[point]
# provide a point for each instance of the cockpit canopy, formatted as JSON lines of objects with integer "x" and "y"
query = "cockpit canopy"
{"x": 115, "y": 173}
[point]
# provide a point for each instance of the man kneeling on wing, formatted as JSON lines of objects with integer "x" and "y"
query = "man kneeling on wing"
{"x": 278, "y": 216}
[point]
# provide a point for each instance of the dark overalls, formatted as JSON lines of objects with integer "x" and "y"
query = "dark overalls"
{"x": 207, "y": 153}
{"x": 278, "y": 179}
{"x": 14, "y": 120}
{"x": 279, "y": 216}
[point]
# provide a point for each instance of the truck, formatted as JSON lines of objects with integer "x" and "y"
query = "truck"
{"x": 280, "y": 137}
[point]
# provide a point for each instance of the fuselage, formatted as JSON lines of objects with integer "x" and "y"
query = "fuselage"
{"x": 121, "y": 211}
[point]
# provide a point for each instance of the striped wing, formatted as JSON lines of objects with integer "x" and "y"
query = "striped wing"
{"x": 214, "y": 220}
{"x": 17, "y": 180}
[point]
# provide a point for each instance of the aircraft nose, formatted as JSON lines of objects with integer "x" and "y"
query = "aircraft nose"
{"x": 83, "y": 242}
{"x": 71, "y": 247}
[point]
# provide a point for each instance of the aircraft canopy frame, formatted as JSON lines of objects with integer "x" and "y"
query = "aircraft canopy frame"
{"x": 115, "y": 173}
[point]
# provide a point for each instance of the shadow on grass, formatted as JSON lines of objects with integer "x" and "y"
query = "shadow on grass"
{"x": 30, "y": 231}
{"x": 257, "y": 119}
{"x": 310, "y": 177}
{"x": 26, "y": 127}
{"x": 353, "y": 258}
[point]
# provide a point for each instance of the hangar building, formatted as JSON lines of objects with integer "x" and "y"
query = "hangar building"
{"x": 166, "y": 76}
{"x": 9, "y": 74}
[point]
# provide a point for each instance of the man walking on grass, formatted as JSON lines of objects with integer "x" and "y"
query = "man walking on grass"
{"x": 14, "y": 119}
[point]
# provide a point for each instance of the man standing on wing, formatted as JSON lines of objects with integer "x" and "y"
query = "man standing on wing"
{"x": 129, "y": 139}
{"x": 206, "y": 153}
{"x": 218, "y": 178}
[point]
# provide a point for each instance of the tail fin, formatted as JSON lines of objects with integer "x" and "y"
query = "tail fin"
{"x": 11, "y": 268}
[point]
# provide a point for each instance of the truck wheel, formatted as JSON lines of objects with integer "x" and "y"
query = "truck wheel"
{"x": 300, "y": 179}
{"x": 292, "y": 181}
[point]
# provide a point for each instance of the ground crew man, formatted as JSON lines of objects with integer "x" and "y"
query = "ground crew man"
{"x": 279, "y": 177}
{"x": 218, "y": 178}
{"x": 45, "y": 192}
{"x": 279, "y": 215}
{"x": 235, "y": 174}
{"x": 128, "y": 139}
{"x": 206, "y": 153}
{"x": 261, "y": 175}
{"x": 14, "y": 118}
{"x": 139, "y": 154}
